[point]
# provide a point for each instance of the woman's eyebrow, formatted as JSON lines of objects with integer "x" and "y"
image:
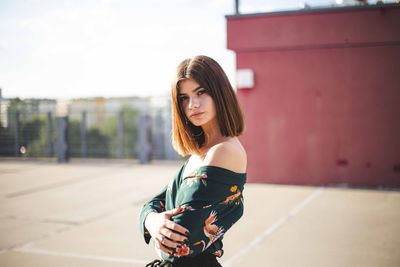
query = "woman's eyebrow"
{"x": 194, "y": 90}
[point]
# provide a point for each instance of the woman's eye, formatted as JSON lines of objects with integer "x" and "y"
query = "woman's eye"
{"x": 200, "y": 92}
{"x": 182, "y": 98}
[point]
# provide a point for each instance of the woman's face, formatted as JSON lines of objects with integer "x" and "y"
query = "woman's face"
{"x": 197, "y": 104}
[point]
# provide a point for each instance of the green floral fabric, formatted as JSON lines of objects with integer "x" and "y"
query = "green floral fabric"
{"x": 212, "y": 201}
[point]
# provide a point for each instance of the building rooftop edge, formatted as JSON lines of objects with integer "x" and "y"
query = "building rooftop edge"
{"x": 311, "y": 10}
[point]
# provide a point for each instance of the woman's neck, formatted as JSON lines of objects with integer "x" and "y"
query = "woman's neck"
{"x": 212, "y": 134}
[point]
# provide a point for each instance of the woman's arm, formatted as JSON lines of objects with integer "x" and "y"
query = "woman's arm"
{"x": 156, "y": 223}
{"x": 156, "y": 204}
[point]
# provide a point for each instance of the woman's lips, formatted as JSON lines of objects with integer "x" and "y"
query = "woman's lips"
{"x": 197, "y": 114}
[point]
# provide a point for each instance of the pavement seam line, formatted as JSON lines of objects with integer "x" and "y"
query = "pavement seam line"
{"x": 69, "y": 226}
{"x": 50, "y": 186}
{"x": 79, "y": 256}
{"x": 267, "y": 232}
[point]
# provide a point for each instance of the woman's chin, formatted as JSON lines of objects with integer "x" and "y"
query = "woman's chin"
{"x": 197, "y": 123}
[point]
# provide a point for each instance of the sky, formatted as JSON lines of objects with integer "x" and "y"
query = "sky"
{"x": 111, "y": 48}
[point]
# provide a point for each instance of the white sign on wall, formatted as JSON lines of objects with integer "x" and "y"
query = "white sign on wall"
{"x": 245, "y": 78}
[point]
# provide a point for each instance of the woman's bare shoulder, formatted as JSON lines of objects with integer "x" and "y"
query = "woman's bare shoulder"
{"x": 229, "y": 154}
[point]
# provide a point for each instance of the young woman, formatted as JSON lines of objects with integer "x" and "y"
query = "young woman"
{"x": 188, "y": 219}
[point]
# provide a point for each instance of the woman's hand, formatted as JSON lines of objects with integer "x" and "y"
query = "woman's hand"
{"x": 165, "y": 232}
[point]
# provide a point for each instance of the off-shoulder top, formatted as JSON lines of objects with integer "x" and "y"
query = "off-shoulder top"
{"x": 212, "y": 201}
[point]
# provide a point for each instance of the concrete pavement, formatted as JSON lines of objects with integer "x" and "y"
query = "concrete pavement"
{"x": 85, "y": 214}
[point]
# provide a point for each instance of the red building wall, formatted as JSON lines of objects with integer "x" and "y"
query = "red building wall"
{"x": 325, "y": 108}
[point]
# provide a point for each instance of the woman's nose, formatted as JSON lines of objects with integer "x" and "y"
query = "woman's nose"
{"x": 193, "y": 103}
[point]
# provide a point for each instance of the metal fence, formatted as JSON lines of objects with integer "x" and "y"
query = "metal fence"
{"x": 128, "y": 133}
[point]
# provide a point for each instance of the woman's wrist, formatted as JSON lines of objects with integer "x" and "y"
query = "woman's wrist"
{"x": 148, "y": 216}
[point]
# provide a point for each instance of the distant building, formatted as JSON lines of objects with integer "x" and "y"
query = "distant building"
{"x": 3, "y": 111}
{"x": 98, "y": 108}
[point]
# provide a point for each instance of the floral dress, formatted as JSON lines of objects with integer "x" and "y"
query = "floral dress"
{"x": 211, "y": 200}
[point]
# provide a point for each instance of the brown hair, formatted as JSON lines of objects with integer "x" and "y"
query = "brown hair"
{"x": 188, "y": 138}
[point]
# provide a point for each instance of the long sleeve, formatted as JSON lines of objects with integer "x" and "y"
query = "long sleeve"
{"x": 156, "y": 204}
{"x": 212, "y": 201}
